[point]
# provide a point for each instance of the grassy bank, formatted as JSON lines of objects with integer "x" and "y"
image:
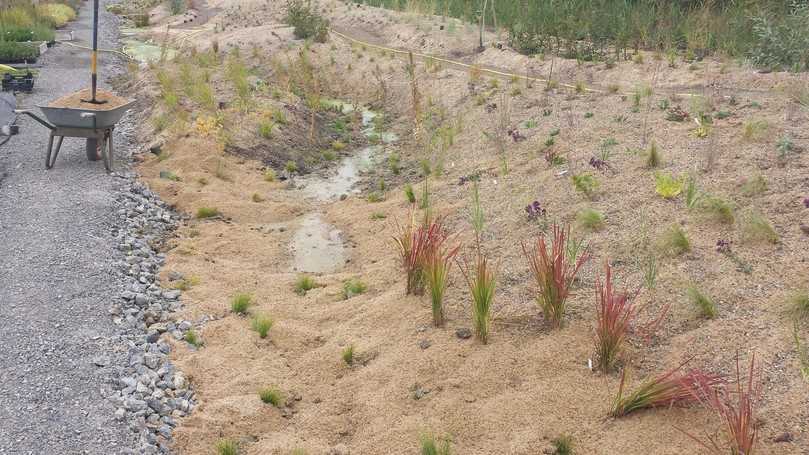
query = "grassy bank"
{"x": 604, "y": 29}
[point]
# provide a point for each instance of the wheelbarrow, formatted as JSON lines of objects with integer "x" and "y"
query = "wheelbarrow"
{"x": 94, "y": 125}
{"x": 94, "y": 122}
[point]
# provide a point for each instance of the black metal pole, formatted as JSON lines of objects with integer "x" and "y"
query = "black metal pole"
{"x": 94, "y": 61}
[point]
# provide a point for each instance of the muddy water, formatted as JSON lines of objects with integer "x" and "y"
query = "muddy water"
{"x": 143, "y": 52}
{"x": 317, "y": 246}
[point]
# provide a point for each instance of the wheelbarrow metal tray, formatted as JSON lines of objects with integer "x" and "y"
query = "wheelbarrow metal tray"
{"x": 66, "y": 117}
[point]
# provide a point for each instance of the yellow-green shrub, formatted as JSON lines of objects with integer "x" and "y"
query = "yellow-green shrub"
{"x": 57, "y": 13}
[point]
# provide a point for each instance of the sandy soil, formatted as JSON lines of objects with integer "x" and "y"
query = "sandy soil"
{"x": 530, "y": 384}
{"x": 79, "y": 100}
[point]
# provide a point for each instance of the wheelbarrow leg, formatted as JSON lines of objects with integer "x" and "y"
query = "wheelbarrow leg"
{"x": 103, "y": 151}
{"x": 50, "y": 158}
{"x": 109, "y": 157}
{"x": 92, "y": 149}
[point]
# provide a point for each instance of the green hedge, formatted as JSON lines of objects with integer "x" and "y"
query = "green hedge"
{"x": 12, "y": 52}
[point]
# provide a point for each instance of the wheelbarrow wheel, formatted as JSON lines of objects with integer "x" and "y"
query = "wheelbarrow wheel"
{"x": 92, "y": 149}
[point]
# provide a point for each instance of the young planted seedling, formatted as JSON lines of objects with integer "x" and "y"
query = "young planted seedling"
{"x": 754, "y": 186}
{"x": 271, "y": 396}
{"x": 481, "y": 278}
{"x": 649, "y": 268}
{"x": 590, "y": 219}
{"x": 703, "y": 303}
{"x": 692, "y": 194}
{"x": 674, "y": 241}
{"x": 554, "y": 272}
{"x": 353, "y": 287}
{"x": 265, "y": 128}
{"x": 653, "y": 156}
{"x": 585, "y": 184}
{"x": 240, "y": 303}
{"x": 562, "y": 445}
{"x": 667, "y": 186}
{"x": 803, "y": 352}
{"x": 261, "y": 325}
{"x": 305, "y": 283}
{"x": 437, "y": 261}
{"x": 756, "y": 228}
{"x": 207, "y": 212}
{"x": 734, "y": 403}
{"x": 192, "y": 338}
{"x": 348, "y": 355}
{"x": 409, "y": 193}
{"x": 671, "y": 388}
{"x": 718, "y": 209}
{"x": 227, "y": 447}
{"x": 799, "y": 305}
{"x": 410, "y": 242}
{"x": 755, "y": 130}
{"x": 431, "y": 446}
{"x": 615, "y": 314}
{"x": 269, "y": 176}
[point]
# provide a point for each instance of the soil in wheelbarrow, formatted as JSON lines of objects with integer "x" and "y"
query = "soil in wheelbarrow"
{"x": 77, "y": 100}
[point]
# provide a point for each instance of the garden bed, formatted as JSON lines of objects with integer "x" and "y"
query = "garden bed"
{"x": 13, "y": 52}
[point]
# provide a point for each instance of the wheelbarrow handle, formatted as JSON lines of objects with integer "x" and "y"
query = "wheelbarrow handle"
{"x": 35, "y": 117}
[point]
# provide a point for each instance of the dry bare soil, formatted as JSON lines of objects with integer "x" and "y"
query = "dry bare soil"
{"x": 530, "y": 384}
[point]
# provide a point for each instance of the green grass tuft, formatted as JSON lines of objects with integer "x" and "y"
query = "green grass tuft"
{"x": 353, "y": 287}
{"x": 272, "y": 396}
{"x": 719, "y": 209}
{"x": 563, "y": 445}
{"x": 755, "y": 130}
{"x": 227, "y": 447}
{"x": 590, "y": 219}
{"x": 799, "y": 305}
{"x": 409, "y": 193}
{"x": 192, "y": 338}
{"x": 756, "y": 228}
{"x": 653, "y": 157}
{"x": 240, "y": 303}
{"x": 261, "y": 325}
{"x": 304, "y": 283}
{"x": 431, "y": 446}
{"x": 207, "y": 212}
{"x": 585, "y": 184}
{"x": 703, "y": 303}
{"x": 675, "y": 241}
{"x": 348, "y": 354}
{"x": 265, "y": 128}
{"x": 755, "y": 186}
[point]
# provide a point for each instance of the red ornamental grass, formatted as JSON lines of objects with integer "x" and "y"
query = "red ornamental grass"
{"x": 412, "y": 241}
{"x": 615, "y": 315}
{"x": 735, "y": 404}
{"x": 553, "y": 273}
{"x": 673, "y": 387}
{"x": 481, "y": 278}
{"x": 436, "y": 263}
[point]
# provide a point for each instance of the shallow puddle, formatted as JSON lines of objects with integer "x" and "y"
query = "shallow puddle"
{"x": 343, "y": 181}
{"x": 141, "y": 51}
{"x": 317, "y": 246}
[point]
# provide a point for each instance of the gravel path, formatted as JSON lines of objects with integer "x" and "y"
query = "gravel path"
{"x": 61, "y": 352}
